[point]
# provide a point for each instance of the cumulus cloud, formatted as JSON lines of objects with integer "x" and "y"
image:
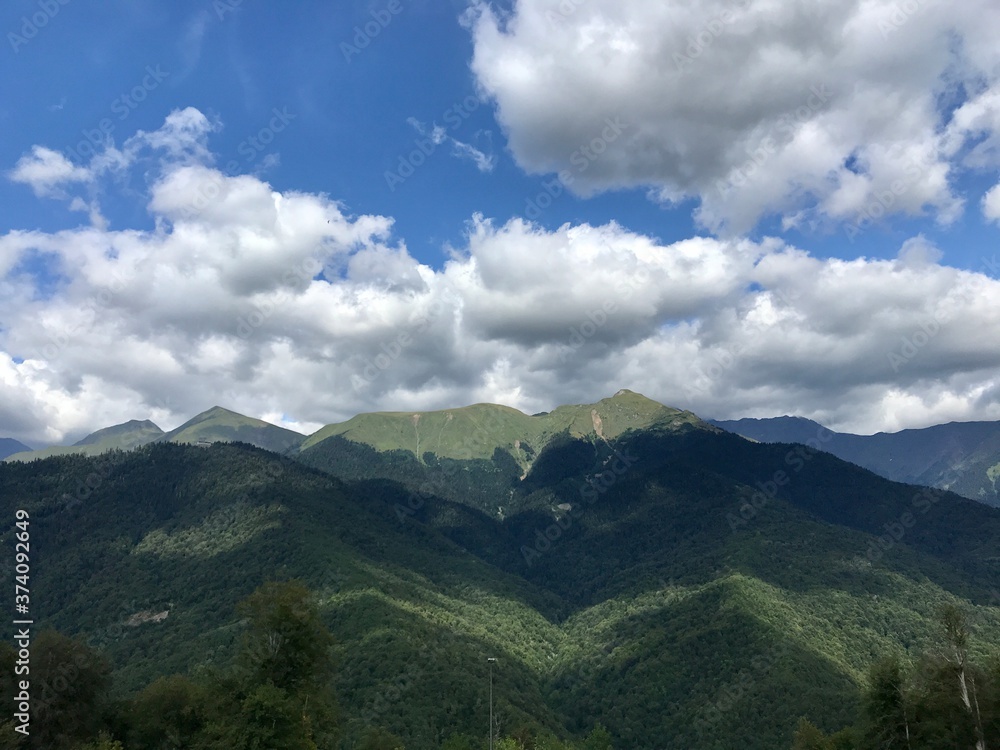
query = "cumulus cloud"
{"x": 283, "y": 305}
{"x": 841, "y": 111}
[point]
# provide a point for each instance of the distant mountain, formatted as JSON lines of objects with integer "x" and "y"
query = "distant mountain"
{"x": 9, "y": 446}
{"x": 126, "y": 436}
{"x": 218, "y": 425}
{"x": 963, "y": 457}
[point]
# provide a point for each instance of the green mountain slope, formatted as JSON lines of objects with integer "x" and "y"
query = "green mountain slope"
{"x": 681, "y": 585}
{"x": 218, "y": 425}
{"x": 126, "y": 436}
{"x": 477, "y": 431}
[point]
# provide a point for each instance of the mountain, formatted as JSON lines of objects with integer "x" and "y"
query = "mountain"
{"x": 9, "y": 446}
{"x": 218, "y": 425}
{"x": 496, "y": 447}
{"x": 963, "y": 457}
{"x": 126, "y": 436}
{"x": 679, "y": 584}
{"x": 212, "y": 426}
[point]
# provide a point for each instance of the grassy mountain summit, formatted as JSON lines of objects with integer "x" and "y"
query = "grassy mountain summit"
{"x": 126, "y": 436}
{"x": 476, "y": 432}
{"x": 219, "y": 425}
{"x": 485, "y": 456}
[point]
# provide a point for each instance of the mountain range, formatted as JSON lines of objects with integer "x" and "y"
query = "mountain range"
{"x": 627, "y": 563}
{"x": 963, "y": 457}
{"x": 211, "y": 426}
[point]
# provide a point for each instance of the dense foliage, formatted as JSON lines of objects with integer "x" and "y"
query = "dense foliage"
{"x": 940, "y": 701}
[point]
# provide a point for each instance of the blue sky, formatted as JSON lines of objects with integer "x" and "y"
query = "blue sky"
{"x": 351, "y": 121}
{"x": 305, "y": 100}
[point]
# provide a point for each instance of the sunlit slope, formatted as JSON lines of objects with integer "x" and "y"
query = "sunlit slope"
{"x": 473, "y": 432}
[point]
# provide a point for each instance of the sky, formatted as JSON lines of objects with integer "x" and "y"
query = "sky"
{"x": 306, "y": 210}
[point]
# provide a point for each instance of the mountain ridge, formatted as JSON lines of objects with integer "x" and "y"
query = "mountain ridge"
{"x": 959, "y": 456}
{"x": 497, "y": 426}
{"x": 125, "y": 436}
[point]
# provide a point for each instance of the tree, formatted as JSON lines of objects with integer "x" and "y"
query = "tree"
{"x": 886, "y": 710}
{"x": 598, "y": 739}
{"x": 458, "y": 742}
{"x": 380, "y": 739}
{"x": 170, "y": 709}
{"x": 941, "y": 720}
{"x": 104, "y": 742}
{"x": 957, "y": 638}
{"x": 69, "y": 680}
{"x": 287, "y": 643}
{"x": 809, "y": 737}
{"x": 549, "y": 741}
{"x": 279, "y": 698}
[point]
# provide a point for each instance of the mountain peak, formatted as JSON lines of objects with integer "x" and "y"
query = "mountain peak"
{"x": 129, "y": 434}
{"x": 126, "y": 436}
{"x": 221, "y": 425}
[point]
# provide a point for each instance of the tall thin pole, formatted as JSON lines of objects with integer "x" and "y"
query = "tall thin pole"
{"x": 492, "y": 661}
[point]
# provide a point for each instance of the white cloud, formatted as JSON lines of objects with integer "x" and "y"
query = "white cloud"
{"x": 183, "y": 138}
{"x": 484, "y": 162}
{"x": 438, "y": 134}
{"x": 810, "y": 111}
{"x": 46, "y": 172}
{"x": 281, "y": 303}
{"x": 919, "y": 251}
{"x": 991, "y": 204}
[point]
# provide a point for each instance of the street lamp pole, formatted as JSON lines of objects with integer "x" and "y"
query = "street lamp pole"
{"x": 491, "y": 661}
